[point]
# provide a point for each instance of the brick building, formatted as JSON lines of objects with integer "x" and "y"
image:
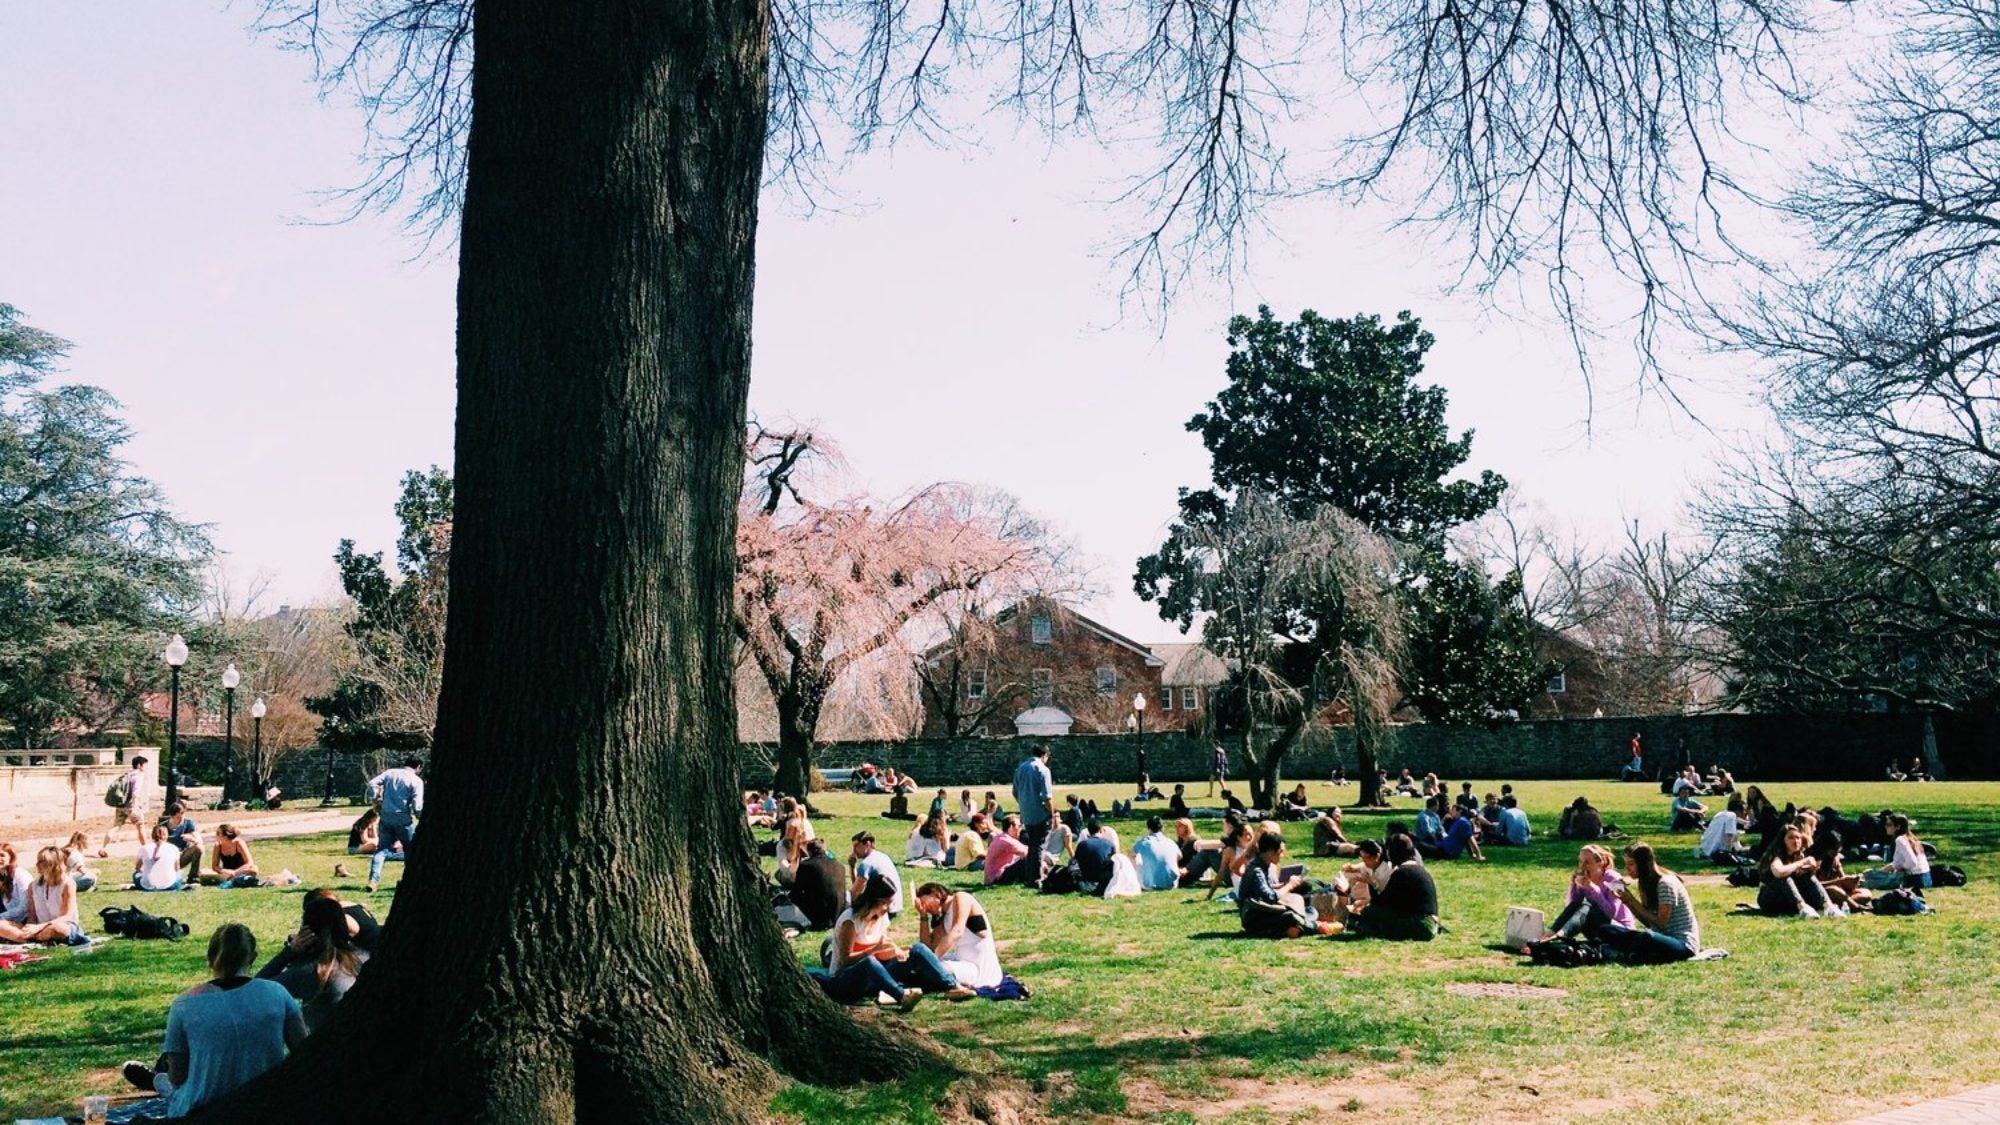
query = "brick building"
{"x": 1039, "y": 655}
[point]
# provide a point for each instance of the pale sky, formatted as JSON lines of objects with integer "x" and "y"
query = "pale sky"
{"x": 959, "y": 321}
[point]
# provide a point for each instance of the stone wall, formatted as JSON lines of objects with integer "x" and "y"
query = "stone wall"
{"x": 63, "y": 785}
{"x": 1753, "y": 747}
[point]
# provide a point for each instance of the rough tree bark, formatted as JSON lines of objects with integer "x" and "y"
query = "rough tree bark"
{"x": 798, "y": 724}
{"x": 581, "y": 935}
{"x": 1264, "y": 767}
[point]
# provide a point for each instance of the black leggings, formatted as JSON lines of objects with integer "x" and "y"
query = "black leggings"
{"x": 1786, "y": 896}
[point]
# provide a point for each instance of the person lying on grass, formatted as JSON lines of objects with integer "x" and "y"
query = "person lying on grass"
{"x": 1269, "y": 907}
{"x": 1406, "y": 908}
{"x": 1789, "y": 882}
{"x": 221, "y": 1033}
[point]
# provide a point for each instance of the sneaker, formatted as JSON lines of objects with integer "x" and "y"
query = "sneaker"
{"x": 1808, "y": 912}
{"x": 911, "y": 998}
{"x": 340, "y": 871}
{"x": 960, "y": 993}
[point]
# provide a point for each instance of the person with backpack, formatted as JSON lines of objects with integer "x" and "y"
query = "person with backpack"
{"x": 130, "y": 799}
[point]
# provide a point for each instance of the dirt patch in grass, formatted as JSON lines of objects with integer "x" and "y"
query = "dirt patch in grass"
{"x": 1498, "y": 991}
{"x": 1289, "y": 1099}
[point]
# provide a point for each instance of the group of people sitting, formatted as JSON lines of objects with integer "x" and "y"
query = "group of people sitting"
{"x": 1799, "y": 859}
{"x": 1642, "y": 916}
{"x": 231, "y": 1028}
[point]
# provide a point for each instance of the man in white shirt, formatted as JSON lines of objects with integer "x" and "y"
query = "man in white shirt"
{"x": 867, "y": 861}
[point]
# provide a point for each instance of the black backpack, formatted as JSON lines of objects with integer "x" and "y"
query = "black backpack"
{"x": 1945, "y": 875}
{"x": 132, "y": 922}
{"x": 1899, "y": 901}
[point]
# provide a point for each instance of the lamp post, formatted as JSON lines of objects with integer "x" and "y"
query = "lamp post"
{"x": 1139, "y": 724}
{"x": 175, "y": 654}
{"x": 230, "y": 678}
{"x": 256, "y": 737}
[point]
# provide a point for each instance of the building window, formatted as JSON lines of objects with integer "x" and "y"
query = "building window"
{"x": 1043, "y": 680}
{"x": 1166, "y": 699}
{"x": 1107, "y": 680}
{"x": 1190, "y": 698}
{"x": 1038, "y": 629}
{"x": 1559, "y": 683}
{"x": 975, "y": 684}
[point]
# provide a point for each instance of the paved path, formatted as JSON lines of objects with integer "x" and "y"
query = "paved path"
{"x": 257, "y": 826}
{"x": 1972, "y": 1107}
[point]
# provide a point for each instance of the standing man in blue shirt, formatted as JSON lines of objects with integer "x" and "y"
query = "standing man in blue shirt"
{"x": 400, "y": 793}
{"x": 1034, "y": 793}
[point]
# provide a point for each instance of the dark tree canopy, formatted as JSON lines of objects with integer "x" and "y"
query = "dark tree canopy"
{"x": 93, "y": 563}
{"x": 1321, "y": 412}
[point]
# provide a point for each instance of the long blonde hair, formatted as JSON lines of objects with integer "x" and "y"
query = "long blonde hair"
{"x": 1593, "y": 851}
{"x": 49, "y": 865}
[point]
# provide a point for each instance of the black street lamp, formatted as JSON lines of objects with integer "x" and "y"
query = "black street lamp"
{"x": 256, "y": 737}
{"x": 175, "y": 654}
{"x": 230, "y": 678}
{"x": 1139, "y": 724}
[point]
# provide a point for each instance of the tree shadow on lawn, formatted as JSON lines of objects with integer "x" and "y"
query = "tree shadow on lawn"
{"x": 1297, "y": 1037}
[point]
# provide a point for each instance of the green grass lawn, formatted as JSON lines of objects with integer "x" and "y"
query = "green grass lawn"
{"x": 1153, "y": 1009}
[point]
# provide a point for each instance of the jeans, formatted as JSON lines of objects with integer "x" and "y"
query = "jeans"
{"x": 921, "y": 969}
{"x": 1643, "y": 947}
{"x": 1785, "y": 896}
{"x": 1034, "y": 835}
{"x": 392, "y": 834}
{"x": 861, "y": 981}
{"x": 1204, "y": 861}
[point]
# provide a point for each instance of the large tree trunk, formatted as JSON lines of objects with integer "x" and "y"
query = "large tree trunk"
{"x": 798, "y": 727}
{"x": 582, "y": 933}
{"x": 1265, "y": 770}
{"x": 1366, "y": 767}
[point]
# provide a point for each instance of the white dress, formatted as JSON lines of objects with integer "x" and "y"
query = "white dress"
{"x": 972, "y": 960}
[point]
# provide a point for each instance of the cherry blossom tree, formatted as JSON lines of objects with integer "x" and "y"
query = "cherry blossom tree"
{"x": 825, "y": 586}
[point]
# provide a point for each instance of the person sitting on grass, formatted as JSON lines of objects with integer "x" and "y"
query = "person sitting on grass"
{"x": 1406, "y": 908}
{"x": 1094, "y": 859}
{"x": 1329, "y": 836}
{"x": 1361, "y": 880}
{"x": 965, "y": 811}
{"x": 1845, "y": 890}
{"x": 1722, "y": 841}
{"x": 1429, "y": 826}
{"x": 158, "y": 865}
{"x": 1789, "y": 883}
{"x": 1157, "y": 858}
{"x": 1232, "y": 803}
{"x": 1689, "y": 815}
{"x": 862, "y": 934}
{"x": 1907, "y": 857}
{"x": 323, "y": 963}
{"x": 49, "y": 916}
{"x": 75, "y": 856}
{"x": 1295, "y": 805}
{"x": 222, "y": 1033}
{"x": 1582, "y": 821}
{"x": 1658, "y": 898}
{"x": 185, "y": 836}
{"x": 991, "y": 809}
{"x": 1465, "y": 799}
{"x": 1008, "y": 860}
{"x": 954, "y": 926}
{"x": 1238, "y": 849}
{"x": 1458, "y": 839}
{"x": 1511, "y": 826}
{"x": 819, "y": 888}
{"x": 1489, "y": 811}
{"x": 754, "y": 813}
{"x": 929, "y": 842}
{"x": 866, "y": 864}
{"x": 363, "y": 836}
{"x": 970, "y": 851}
{"x": 1595, "y": 899}
{"x": 1269, "y": 907}
{"x": 232, "y": 864}
{"x": 1199, "y": 858}
{"x": 1177, "y": 806}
